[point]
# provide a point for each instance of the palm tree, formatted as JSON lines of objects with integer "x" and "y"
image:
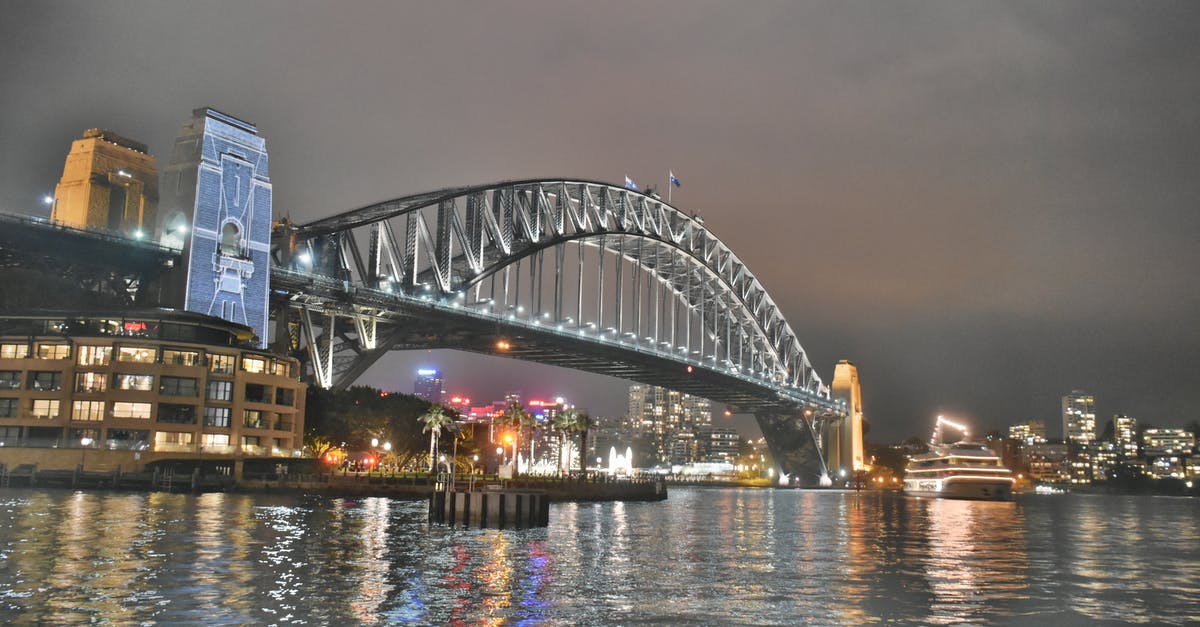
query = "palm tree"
{"x": 564, "y": 424}
{"x": 435, "y": 420}
{"x": 516, "y": 418}
{"x": 580, "y": 423}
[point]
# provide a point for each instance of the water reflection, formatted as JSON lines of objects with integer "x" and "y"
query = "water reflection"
{"x": 705, "y": 556}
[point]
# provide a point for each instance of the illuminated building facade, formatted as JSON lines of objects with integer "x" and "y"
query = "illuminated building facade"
{"x": 1125, "y": 436}
{"x": 430, "y": 385}
{"x": 155, "y": 383}
{"x": 218, "y": 210}
{"x": 1047, "y": 463}
{"x": 109, "y": 183}
{"x": 1079, "y": 417}
{"x": 1031, "y": 432}
{"x": 842, "y": 439}
{"x": 664, "y": 414}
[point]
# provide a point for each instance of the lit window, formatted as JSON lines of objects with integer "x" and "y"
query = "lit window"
{"x": 217, "y": 416}
{"x": 216, "y": 440}
{"x": 45, "y": 408}
{"x": 14, "y": 351}
{"x": 254, "y": 364}
{"x": 253, "y": 419}
{"x": 220, "y": 391}
{"x": 221, "y": 364}
{"x": 87, "y": 410}
{"x": 172, "y": 441}
{"x": 131, "y": 410}
{"x": 91, "y": 382}
{"x": 53, "y": 351}
{"x": 94, "y": 355}
{"x": 140, "y": 382}
{"x": 279, "y": 368}
{"x": 181, "y": 357}
{"x": 137, "y": 354}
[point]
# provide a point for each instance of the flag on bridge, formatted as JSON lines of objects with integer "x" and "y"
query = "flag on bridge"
{"x": 629, "y": 184}
{"x": 671, "y": 177}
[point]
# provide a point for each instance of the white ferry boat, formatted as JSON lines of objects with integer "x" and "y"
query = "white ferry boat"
{"x": 962, "y": 470}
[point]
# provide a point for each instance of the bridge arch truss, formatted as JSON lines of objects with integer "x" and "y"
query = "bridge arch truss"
{"x": 582, "y": 259}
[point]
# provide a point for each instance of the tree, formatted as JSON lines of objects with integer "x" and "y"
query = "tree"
{"x": 516, "y": 418}
{"x": 435, "y": 420}
{"x": 580, "y": 424}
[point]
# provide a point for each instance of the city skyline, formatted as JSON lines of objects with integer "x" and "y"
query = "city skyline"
{"x": 1015, "y": 220}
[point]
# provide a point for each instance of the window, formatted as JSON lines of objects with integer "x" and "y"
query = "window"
{"x": 216, "y": 440}
{"x": 141, "y": 382}
{"x": 217, "y": 416}
{"x": 221, "y": 364}
{"x": 8, "y": 407}
{"x": 177, "y": 386}
{"x": 87, "y": 410}
{"x": 10, "y": 379}
{"x": 253, "y": 419}
{"x": 131, "y": 410}
{"x": 256, "y": 393}
{"x": 86, "y": 438}
{"x": 285, "y": 396}
{"x": 181, "y": 357}
{"x": 14, "y": 351}
{"x": 177, "y": 414}
{"x": 220, "y": 390}
{"x": 231, "y": 242}
{"x": 172, "y": 441}
{"x": 94, "y": 355}
{"x": 137, "y": 354}
{"x": 53, "y": 351}
{"x": 279, "y": 368}
{"x": 127, "y": 439}
{"x": 45, "y": 380}
{"x": 249, "y": 442}
{"x": 90, "y": 382}
{"x": 44, "y": 408}
{"x": 254, "y": 364}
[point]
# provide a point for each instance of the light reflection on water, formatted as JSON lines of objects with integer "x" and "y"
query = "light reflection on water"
{"x": 703, "y": 557}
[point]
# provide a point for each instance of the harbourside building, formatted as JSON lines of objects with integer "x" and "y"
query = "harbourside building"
{"x": 1125, "y": 436}
{"x": 124, "y": 389}
{"x": 660, "y": 415}
{"x": 1030, "y": 432}
{"x": 430, "y": 385}
{"x": 1079, "y": 417}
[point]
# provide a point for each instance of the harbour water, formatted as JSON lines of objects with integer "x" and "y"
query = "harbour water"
{"x": 703, "y": 557}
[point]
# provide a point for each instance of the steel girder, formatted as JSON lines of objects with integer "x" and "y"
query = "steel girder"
{"x": 617, "y": 267}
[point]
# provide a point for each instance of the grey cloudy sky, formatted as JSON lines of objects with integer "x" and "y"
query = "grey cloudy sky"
{"x": 982, "y": 204}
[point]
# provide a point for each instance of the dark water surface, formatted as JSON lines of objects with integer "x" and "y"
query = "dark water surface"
{"x": 704, "y": 557}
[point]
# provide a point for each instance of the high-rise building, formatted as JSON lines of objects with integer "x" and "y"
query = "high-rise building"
{"x": 842, "y": 440}
{"x": 1079, "y": 417}
{"x": 430, "y": 385}
{"x": 1031, "y": 432}
{"x": 109, "y": 183}
{"x": 1125, "y": 436}
{"x": 661, "y": 414}
{"x": 1168, "y": 442}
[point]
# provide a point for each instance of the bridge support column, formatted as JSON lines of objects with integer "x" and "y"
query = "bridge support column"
{"x": 794, "y": 447}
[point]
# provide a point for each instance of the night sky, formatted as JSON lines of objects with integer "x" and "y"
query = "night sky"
{"x": 984, "y": 205}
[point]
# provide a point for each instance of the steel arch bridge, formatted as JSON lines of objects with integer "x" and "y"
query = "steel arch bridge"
{"x": 575, "y": 273}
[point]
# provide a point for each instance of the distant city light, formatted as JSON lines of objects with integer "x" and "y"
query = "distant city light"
{"x": 426, "y": 372}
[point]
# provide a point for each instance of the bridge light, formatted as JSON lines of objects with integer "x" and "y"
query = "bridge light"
{"x": 689, "y": 369}
{"x": 48, "y": 200}
{"x": 304, "y": 258}
{"x": 139, "y": 234}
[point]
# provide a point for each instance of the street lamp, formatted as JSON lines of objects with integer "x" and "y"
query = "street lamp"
{"x": 85, "y": 443}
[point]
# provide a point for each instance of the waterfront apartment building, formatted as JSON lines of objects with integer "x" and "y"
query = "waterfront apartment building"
{"x": 1030, "y": 432}
{"x": 662, "y": 414}
{"x": 1125, "y": 436}
{"x": 1079, "y": 417}
{"x": 157, "y": 383}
